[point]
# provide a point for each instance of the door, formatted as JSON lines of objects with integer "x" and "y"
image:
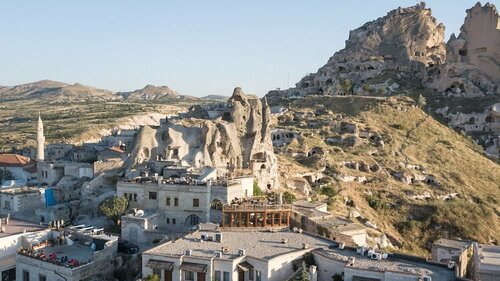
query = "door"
{"x": 168, "y": 275}
{"x": 201, "y": 276}
{"x": 241, "y": 275}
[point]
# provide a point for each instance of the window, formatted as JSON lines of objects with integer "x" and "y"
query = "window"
{"x": 196, "y": 202}
{"x": 125, "y": 195}
{"x": 7, "y": 205}
{"x": 9, "y": 274}
{"x": 168, "y": 201}
{"x": 258, "y": 275}
{"x": 42, "y": 277}
{"x": 176, "y": 202}
{"x": 188, "y": 275}
{"x": 168, "y": 220}
{"x": 130, "y": 197}
{"x": 226, "y": 276}
{"x": 173, "y": 221}
{"x": 217, "y": 275}
{"x": 135, "y": 197}
{"x": 152, "y": 195}
{"x": 250, "y": 274}
{"x": 26, "y": 275}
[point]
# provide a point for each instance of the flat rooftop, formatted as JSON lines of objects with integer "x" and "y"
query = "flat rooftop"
{"x": 489, "y": 254}
{"x": 309, "y": 212}
{"x": 450, "y": 243}
{"x": 17, "y": 226}
{"x": 258, "y": 244}
{"x": 390, "y": 264}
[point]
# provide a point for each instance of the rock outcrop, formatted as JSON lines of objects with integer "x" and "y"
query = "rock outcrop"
{"x": 405, "y": 40}
{"x": 238, "y": 142}
{"x": 472, "y": 71}
{"x": 472, "y": 65}
{"x": 150, "y": 92}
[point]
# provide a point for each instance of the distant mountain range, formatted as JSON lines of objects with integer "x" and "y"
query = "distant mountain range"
{"x": 54, "y": 91}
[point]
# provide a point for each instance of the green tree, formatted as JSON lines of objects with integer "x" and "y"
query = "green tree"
{"x": 153, "y": 277}
{"x": 289, "y": 198}
{"x": 114, "y": 208}
{"x": 303, "y": 274}
{"x": 256, "y": 189}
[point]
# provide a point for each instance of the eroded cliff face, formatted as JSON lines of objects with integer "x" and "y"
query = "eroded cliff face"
{"x": 472, "y": 67}
{"x": 405, "y": 40}
{"x": 237, "y": 143}
{"x": 471, "y": 74}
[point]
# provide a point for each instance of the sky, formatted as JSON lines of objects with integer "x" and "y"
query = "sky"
{"x": 196, "y": 47}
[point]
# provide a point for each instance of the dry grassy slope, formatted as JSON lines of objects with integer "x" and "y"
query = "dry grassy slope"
{"x": 69, "y": 121}
{"x": 409, "y": 135}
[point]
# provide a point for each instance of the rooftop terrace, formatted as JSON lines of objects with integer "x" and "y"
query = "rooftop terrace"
{"x": 16, "y": 226}
{"x": 393, "y": 263}
{"x": 258, "y": 244}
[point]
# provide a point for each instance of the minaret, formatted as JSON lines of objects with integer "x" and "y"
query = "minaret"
{"x": 40, "y": 140}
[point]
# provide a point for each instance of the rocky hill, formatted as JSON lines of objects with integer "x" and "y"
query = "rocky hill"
{"x": 59, "y": 92}
{"x": 467, "y": 86}
{"x": 150, "y": 92}
{"x": 53, "y": 91}
{"x": 403, "y": 53}
{"x": 369, "y": 130}
{"x": 390, "y": 166}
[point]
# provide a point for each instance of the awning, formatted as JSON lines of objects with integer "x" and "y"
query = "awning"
{"x": 245, "y": 266}
{"x": 191, "y": 266}
{"x": 166, "y": 265}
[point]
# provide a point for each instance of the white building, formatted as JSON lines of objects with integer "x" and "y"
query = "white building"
{"x": 231, "y": 255}
{"x": 11, "y": 231}
{"x": 21, "y": 201}
{"x": 73, "y": 254}
{"x": 180, "y": 204}
{"x": 22, "y": 168}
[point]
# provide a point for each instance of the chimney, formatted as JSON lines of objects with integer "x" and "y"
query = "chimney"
{"x": 189, "y": 252}
{"x": 305, "y": 246}
{"x": 241, "y": 252}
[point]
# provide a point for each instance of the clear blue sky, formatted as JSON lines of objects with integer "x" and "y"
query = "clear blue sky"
{"x": 195, "y": 47}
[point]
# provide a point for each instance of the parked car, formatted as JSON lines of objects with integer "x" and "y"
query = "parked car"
{"x": 127, "y": 247}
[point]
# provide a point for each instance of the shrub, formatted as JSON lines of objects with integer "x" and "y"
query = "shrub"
{"x": 114, "y": 208}
{"x": 256, "y": 189}
{"x": 289, "y": 198}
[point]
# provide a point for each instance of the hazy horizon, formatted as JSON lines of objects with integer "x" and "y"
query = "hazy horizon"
{"x": 195, "y": 48}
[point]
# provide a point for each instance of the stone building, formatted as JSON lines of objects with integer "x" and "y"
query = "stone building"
{"x": 22, "y": 168}
{"x": 314, "y": 219}
{"x": 73, "y": 254}
{"x": 179, "y": 203}
{"x": 456, "y": 251}
{"x": 486, "y": 262}
{"x": 11, "y": 231}
{"x": 21, "y": 201}
{"x": 211, "y": 254}
{"x": 368, "y": 265}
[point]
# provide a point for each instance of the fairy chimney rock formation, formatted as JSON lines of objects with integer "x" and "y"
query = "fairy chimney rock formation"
{"x": 238, "y": 142}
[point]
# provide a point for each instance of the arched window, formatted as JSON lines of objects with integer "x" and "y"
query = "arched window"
{"x": 192, "y": 220}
